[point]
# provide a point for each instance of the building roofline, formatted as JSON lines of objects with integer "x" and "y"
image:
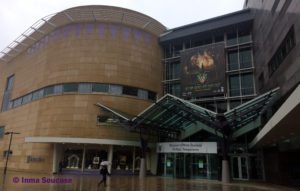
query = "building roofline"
{"x": 94, "y": 13}
{"x": 227, "y": 20}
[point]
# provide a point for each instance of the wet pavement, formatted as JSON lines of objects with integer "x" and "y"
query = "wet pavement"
{"x": 44, "y": 182}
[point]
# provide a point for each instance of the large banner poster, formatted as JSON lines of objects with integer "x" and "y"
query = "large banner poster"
{"x": 203, "y": 71}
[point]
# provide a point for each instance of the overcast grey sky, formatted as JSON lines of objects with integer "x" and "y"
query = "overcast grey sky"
{"x": 18, "y": 15}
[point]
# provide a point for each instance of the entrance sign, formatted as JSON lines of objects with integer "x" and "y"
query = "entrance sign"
{"x": 187, "y": 147}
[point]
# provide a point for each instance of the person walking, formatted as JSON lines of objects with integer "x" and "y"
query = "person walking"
{"x": 104, "y": 172}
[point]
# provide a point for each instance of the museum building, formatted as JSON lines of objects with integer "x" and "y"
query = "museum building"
{"x": 86, "y": 84}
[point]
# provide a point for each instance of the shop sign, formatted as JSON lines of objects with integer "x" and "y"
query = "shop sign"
{"x": 187, "y": 147}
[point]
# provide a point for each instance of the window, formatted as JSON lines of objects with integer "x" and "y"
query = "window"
{"x": 115, "y": 89}
{"x": 100, "y": 88}
{"x": 234, "y": 103}
{"x": 142, "y": 94}
{"x": 151, "y": 95}
{"x": 2, "y": 131}
{"x": 282, "y": 52}
{"x": 10, "y": 82}
{"x": 27, "y": 98}
{"x": 233, "y": 60}
{"x": 130, "y": 91}
{"x": 85, "y": 88}
{"x": 17, "y": 102}
{"x": 245, "y": 58}
{"x": 231, "y": 38}
{"x": 38, "y": 94}
{"x": 7, "y": 93}
{"x": 58, "y": 89}
{"x": 49, "y": 90}
{"x": 244, "y": 36}
{"x": 172, "y": 70}
{"x": 234, "y": 85}
{"x": 73, "y": 87}
{"x": 247, "y": 84}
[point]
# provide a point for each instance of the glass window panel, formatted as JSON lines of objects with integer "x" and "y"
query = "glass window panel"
{"x": 100, "y": 88}
{"x": 247, "y": 84}
{"x": 234, "y": 103}
{"x": 244, "y": 37}
{"x": 17, "y": 102}
{"x": 1, "y": 132}
{"x": 49, "y": 90}
{"x": 233, "y": 60}
{"x": 58, "y": 89}
{"x": 10, "y": 82}
{"x": 231, "y": 38}
{"x": 27, "y": 98}
{"x": 143, "y": 94}
{"x": 115, "y": 89}
{"x": 85, "y": 88}
{"x": 151, "y": 95}
{"x": 38, "y": 94}
{"x": 130, "y": 91}
{"x": 73, "y": 87}
{"x": 245, "y": 58}
{"x": 234, "y": 85}
{"x": 10, "y": 104}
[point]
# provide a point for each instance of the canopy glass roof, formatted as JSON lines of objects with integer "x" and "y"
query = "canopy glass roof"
{"x": 170, "y": 115}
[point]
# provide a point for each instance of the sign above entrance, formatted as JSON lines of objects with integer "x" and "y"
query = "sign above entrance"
{"x": 187, "y": 147}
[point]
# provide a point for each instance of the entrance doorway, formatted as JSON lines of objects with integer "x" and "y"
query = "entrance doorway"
{"x": 239, "y": 167}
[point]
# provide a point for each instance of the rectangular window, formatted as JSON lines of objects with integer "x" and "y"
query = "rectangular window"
{"x": 233, "y": 63}
{"x": 234, "y": 85}
{"x": 7, "y": 93}
{"x": 100, "y": 88}
{"x": 231, "y": 38}
{"x": 142, "y": 94}
{"x": 85, "y": 88}
{"x": 58, "y": 89}
{"x": 72, "y": 87}
{"x": 115, "y": 89}
{"x": 151, "y": 95}
{"x": 247, "y": 84}
{"x": 27, "y": 98}
{"x": 172, "y": 70}
{"x": 244, "y": 36}
{"x": 245, "y": 58}
{"x": 49, "y": 90}
{"x": 38, "y": 94}
{"x": 2, "y": 132}
{"x": 10, "y": 82}
{"x": 17, "y": 102}
{"x": 282, "y": 51}
{"x": 130, "y": 91}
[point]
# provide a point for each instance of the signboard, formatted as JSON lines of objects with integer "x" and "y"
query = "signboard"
{"x": 203, "y": 71}
{"x": 187, "y": 147}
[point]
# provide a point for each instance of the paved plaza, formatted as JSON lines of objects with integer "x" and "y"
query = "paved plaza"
{"x": 44, "y": 182}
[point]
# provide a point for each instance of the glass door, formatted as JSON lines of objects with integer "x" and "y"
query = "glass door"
{"x": 239, "y": 167}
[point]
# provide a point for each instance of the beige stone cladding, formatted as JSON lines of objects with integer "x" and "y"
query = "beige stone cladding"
{"x": 92, "y": 52}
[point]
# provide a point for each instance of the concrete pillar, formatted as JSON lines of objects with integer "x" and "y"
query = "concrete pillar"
{"x": 83, "y": 159}
{"x": 154, "y": 161}
{"x": 225, "y": 171}
{"x": 110, "y": 156}
{"x": 143, "y": 168}
{"x": 55, "y": 158}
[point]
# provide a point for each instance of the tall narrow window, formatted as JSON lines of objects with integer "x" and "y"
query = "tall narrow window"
{"x": 234, "y": 85}
{"x": 7, "y": 93}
